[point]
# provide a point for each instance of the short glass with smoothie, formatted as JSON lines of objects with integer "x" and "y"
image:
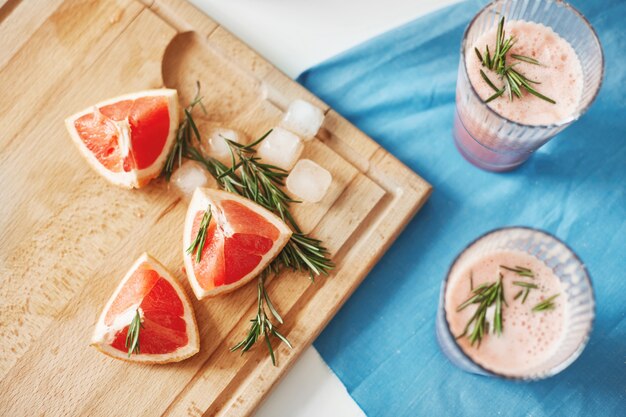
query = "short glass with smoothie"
{"x": 517, "y": 303}
{"x": 527, "y": 71}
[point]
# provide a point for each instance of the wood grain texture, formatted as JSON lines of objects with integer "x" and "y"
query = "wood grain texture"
{"x": 67, "y": 236}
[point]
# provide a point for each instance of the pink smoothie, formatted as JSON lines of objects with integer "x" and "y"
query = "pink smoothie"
{"x": 560, "y": 74}
{"x": 529, "y": 339}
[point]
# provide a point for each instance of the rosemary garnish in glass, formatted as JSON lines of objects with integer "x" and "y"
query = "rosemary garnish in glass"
{"x": 545, "y": 305}
{"x": 513, "y": 80}
{"x": 132, "y": 336}
{"x": 248, "y": 176}
{"x": 485, "y": 295}
{"x": 519, "y": 270}
{"x": 198, "y": 243}
{"x": 527, "y": 286}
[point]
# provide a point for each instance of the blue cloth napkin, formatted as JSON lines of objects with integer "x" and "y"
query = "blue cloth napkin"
{"x": 399, "y": 88}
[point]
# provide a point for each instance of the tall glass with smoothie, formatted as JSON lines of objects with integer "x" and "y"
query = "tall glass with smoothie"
{"x": 528, "y": 69}
{"x": 517, "y": 303}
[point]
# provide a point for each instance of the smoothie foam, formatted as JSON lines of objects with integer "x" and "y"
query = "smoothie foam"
{"x": 529, "y": 339}
{"x": 560, "y": 74}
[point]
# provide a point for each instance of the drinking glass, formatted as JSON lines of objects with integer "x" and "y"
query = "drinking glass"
{"x": 493, "y": 142}
{"x": 575, "y": 281}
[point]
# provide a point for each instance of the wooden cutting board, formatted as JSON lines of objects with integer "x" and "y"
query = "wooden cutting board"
{"x": 67, "y": 236}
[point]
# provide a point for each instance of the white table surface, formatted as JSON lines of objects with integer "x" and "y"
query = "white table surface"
{"x": 295, "y": 35}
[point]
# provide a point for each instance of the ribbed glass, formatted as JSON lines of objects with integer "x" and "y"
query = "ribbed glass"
{"x": 491, "y": 141}
{"x": 580, "y": 307}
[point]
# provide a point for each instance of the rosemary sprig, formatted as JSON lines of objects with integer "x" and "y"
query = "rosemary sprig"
{"x": 262, "y": 325}
{"x": 526, "y": 59}
{"x": 485, "y": 295}
{"x": 261, "y": 183}
{"x": 198, "y": 243}
{"x": 248, "y": 176}
{"x": 519, "y": 270}
{"x": 513, "y": 80}
{"x": 545, "y": 305}
{"x": 258, "y": 181}
{"x": 527, "y": 286}
{"x": 132, "y": 336}
{"x": 183, "y": 136}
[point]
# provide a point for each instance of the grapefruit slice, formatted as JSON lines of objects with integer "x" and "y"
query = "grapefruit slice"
{"x": 168, "y": 330}
{"x": 127, "y": 139}
{"x": 241, "y": 239}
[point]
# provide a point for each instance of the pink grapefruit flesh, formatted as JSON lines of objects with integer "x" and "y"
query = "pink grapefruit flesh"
{"x": 241, "y": 239}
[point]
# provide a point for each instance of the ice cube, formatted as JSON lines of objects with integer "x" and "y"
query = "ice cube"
{"x": 303, "y": 119}
{"x": 280, "y": 148}
{"x": 189, "y": 176}
{"x": 308, "y": 181}
{"x": 216, "y": 146}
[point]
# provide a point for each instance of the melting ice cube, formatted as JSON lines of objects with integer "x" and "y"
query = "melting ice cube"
{"x": 189, "y": 176}
{"x": 303, "y": 119}
{"x": 216, "y": 145}
{"x": 308, "y": 181}
{"x": 281, "y": 148}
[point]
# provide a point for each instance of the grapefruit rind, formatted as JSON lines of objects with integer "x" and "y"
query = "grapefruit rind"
{"x": 103, "y": 334}
{"x": 202, "y": 197}
{"x": 133, "y": 178}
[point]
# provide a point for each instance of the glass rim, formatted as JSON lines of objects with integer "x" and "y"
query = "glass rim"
{"x": 564, "y": 122}
{"x": 575, "y": 354}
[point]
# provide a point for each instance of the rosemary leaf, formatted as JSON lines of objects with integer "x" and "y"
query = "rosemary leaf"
{"x": 488, "y": 81}
{"x": 513, "y": 84}
{"x": 527, "y": 287}
{"x": 271, "y": 307}
{"x": 538, "y": 94}
{"x": 495, "y": 96}
{"x": 498, "y": 315}
{"x": 269, "y": 347}
{"x": 519, "y": 270}
{"x": 472, "y": 300}
{"x": 507, "y": 84}
{"x": 525, "y": 284}
{"x": 281, "y": 337}
{"x": 183, "y": 136}
{"x": 198, "y": 243}
{"x": 480, "y": 57}
{"x": 526, "y": 59}
{"x": 192, "y": 124}
{"x": 132, "y": 336}
{"x": 480, "y": 288}
{"x": 508, "y": 45}
{"x": 499, "y": 36}
{"x": 502, "y": 292}
{"x": 547, "y": 304}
